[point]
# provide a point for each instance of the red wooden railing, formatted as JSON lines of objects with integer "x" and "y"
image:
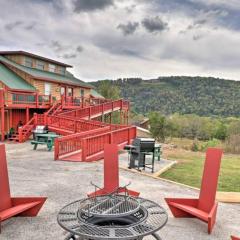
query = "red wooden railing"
{"x": 25, "y": 131}
{"x": 72, "y": 125}
{"x": 13, "y": 98}
{"x": 93, "y": 146}
{"x": 82, "y": 101}
{"x": 89, "y": 112}
{"x": 73, "y": 142}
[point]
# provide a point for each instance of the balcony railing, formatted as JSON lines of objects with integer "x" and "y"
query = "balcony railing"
{"x": 19, "y": 99}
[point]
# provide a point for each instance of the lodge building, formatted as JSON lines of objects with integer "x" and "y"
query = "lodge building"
{"x": 31, "y": 84}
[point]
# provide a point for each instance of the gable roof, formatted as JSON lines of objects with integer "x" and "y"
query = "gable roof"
{"x": 45, "y": 75}
{"x": 34, "y": 56}
{"x": 12, "y": 80}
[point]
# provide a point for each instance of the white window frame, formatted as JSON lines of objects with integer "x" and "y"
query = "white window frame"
{"x": 51, "y": 67}
{"x": 47, "y": 88}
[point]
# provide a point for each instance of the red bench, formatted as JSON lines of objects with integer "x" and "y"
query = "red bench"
{"x": 205, "y": 207}
{"x": 14, "y": 206}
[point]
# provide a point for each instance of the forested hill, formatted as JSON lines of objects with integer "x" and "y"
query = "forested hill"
{"x": 185, "y": 95}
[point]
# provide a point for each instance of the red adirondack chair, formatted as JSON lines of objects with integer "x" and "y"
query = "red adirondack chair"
{"x": 235, "y": 238}
{"x": 205, "y": 207}
{"x": 111, "y": 173}
{"x": 14, "y": 206}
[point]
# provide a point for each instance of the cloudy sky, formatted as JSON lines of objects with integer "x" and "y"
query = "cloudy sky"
{"x": 128, "y": 38}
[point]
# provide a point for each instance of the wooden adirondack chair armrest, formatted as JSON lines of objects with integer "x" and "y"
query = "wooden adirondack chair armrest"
{"x": 213, "y": 212}
{"x": 22, "y": 200}
{"x": 193, "y": 202}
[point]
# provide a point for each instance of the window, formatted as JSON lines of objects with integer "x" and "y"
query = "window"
{"x": 70, "y": 92}
{"x": 28, "y": 62}
{"x": 51, "y": 67}
{"x": 82, "y": 92}
{"x": 62, "y": 91}
{"x": 40, "y": 65}
{"x": 61, "y": 70}
{"x": 47, "y": 89}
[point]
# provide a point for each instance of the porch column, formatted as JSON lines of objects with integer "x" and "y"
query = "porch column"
{"x": 2, "y": 124}
{"x": 10, "y": 118}
{"x": 2, "y": 115}
{"x": 27, "y": 114}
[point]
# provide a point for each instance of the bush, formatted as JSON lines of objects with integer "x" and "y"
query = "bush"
{"x": 195, "y": 147}
{"x": 232, "y": 144}
{"x": 211, "y": 143}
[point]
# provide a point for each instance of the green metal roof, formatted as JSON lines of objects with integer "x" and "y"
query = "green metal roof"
{"x": 68, "y": 79}
{"x": 95, "y": 94}
{"x": 13, "y": 81}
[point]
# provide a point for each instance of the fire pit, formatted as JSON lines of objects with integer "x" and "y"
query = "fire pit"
{"x": 112, "y": 217}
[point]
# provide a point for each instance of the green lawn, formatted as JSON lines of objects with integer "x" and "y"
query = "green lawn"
{"x": 189, "y": 169}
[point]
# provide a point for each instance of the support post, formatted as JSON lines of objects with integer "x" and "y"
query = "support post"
{"x": 27, "y": 114}
{"x": 37, "y": 99}
{"x": 2, "y": 124}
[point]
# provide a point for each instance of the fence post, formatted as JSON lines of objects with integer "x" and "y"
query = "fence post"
{"x": 35, "y": 119}
{"x": 110, "y": 137}
{"x": 45, "y": 118}
{"x": 84, "y": 149}
{"x": 89, "y": 117}
{"x": 20, "y": 134}
{"x": 56, "y": 149}
{"x": 75, "y": 126}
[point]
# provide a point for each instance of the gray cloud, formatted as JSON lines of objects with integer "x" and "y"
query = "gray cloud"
{"x": 91, "y": 5}
{"x": 69, "y": 55}
{"x": 11, "y": 26}
{"x": 30, "y": 26}
{"x": 79, "y": 49}
{"x": 128, "y": 28}
{"x": 154, "y": 25}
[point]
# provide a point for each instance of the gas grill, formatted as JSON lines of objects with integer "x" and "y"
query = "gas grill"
{"x": 112, "y": 217}
{"x": 40, "y": 129}
{"x": 140, "y": 148}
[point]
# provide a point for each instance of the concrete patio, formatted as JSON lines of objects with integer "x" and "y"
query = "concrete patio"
{"x": 34, "y": 173}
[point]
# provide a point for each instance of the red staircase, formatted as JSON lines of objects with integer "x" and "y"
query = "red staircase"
{"x": 24, "y": 132}
{"x": 83, "y": 138}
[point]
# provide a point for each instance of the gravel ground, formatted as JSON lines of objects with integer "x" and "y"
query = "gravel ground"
{"x": 34, "y": 173}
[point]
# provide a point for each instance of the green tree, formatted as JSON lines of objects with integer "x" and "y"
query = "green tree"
{"x": 160, "y": 127}
{"x": 109, "y": 90}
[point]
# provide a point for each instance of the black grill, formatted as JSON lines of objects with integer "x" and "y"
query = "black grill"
{"x": 140, "y": 148}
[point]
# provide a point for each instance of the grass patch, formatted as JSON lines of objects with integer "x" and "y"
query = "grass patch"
{"x": 189, "y": 169}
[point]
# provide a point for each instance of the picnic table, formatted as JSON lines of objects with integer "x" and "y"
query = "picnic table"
{"x": 44, "y": 138}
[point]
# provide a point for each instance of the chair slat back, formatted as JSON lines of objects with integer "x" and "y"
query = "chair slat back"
{"x": 111, "y": 168}
{"x": 210, "y": 179}
{"x": 5, "y": 197}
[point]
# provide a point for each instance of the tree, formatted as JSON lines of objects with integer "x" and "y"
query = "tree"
{"x": 109, "y": 90}
{"x": 160, "y": 127}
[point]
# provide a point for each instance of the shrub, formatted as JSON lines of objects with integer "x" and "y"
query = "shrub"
{"x": 232, "y": 144}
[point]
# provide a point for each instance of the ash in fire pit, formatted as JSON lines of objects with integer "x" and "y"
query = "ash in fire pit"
{"x": 113, "y": 217}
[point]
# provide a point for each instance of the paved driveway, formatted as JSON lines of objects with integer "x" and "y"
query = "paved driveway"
{"x": 34, "y": 173}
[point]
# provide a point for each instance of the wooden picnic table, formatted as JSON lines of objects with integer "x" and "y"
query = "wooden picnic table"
{"x": 44, "y": 138}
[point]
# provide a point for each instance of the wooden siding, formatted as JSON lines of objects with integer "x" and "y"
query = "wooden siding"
{"x": 19, "y": 59}
{"x": 23, "y": 75}
{"x": 56, "y": 89}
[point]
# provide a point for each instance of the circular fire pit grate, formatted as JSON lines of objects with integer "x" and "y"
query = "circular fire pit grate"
{"x": 112, "y": 217}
